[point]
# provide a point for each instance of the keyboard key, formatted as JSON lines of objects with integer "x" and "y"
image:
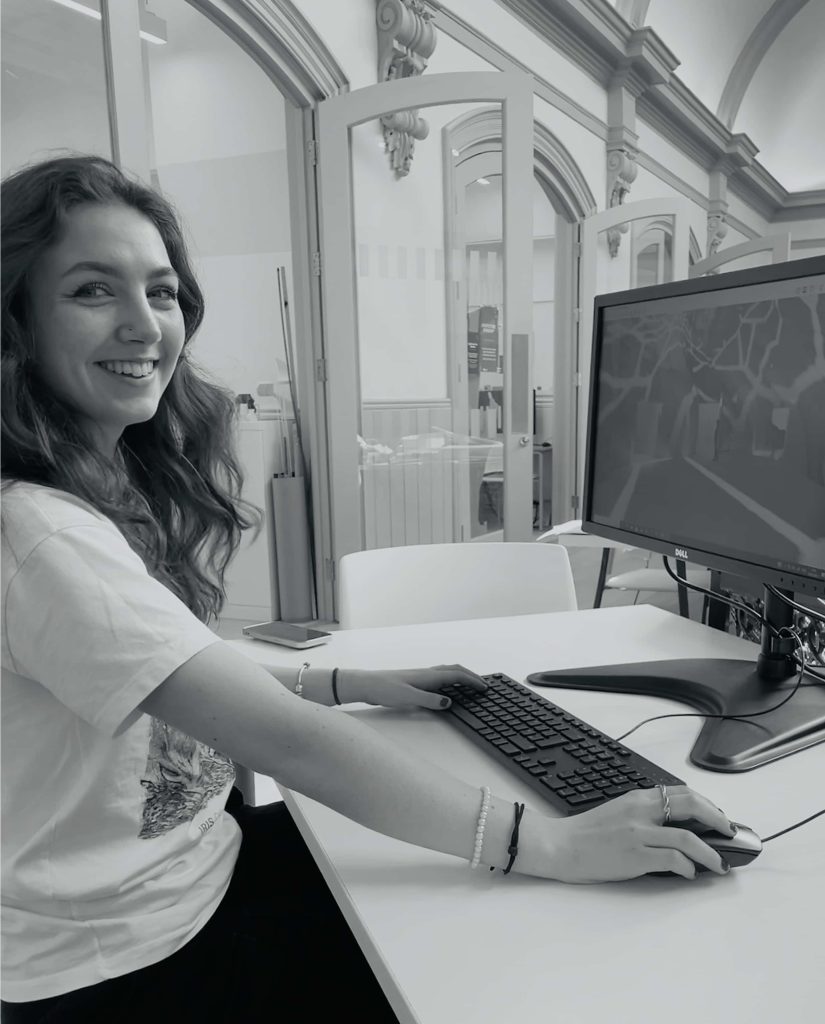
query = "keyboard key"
{"x": 555, "y": 783}
{"x": 509, "y": 749}
{"x": 618, "y": 790}
{"x": 583, "y": 798}
{"x": 468, "y": 717}
{"x": 523, "y": 744}
{"x": 554, "y": 740}
{"x": 572, "y": 734}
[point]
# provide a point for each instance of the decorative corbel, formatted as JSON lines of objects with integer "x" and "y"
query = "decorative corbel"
{"x": 717, "y": 227}
{"x": 406, "y": 40}
{"x": 621, "y": 173}
{"x": 646, "y": 63}
{"x": 739, "y": 153}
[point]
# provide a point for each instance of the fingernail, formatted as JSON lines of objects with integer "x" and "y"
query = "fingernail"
{"x": 445, "y": 702}
{"x": 725, "y": 865}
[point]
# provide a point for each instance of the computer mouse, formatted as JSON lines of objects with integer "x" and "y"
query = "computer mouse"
{"x": 738, "y": 850}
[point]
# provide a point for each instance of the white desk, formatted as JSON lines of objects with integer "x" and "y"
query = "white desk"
{"x": 451, "y": 945}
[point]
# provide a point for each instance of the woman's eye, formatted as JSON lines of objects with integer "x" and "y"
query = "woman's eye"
{"x": 166, "y": 292}
{"x": 92, "y": 290}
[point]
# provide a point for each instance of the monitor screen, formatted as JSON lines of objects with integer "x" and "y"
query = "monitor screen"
{"x": 706, "y": 436}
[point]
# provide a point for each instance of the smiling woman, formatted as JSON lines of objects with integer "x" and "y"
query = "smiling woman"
{"x": 133, "y": 875}
{"x": 99, "y": 395}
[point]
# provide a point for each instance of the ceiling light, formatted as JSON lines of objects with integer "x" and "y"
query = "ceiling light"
{"x": 152, "y": 28}
{"x": 482, "y": 181}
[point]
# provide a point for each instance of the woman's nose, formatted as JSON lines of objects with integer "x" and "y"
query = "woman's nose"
{"x": 139, "y": 324}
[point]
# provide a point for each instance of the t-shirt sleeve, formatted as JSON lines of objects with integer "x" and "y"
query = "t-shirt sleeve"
{"x": 85, "y": 620}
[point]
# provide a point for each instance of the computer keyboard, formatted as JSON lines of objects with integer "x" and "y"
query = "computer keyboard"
{"x": 572, "y": 764}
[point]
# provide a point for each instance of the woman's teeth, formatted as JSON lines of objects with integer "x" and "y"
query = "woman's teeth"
{"x": 133, "y": 368}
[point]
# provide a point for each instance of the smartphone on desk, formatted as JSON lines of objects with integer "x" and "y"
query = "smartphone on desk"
{"x": 287, "y": 634}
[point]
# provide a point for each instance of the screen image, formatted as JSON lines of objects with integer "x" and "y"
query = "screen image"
{"x": 709, "y": 422}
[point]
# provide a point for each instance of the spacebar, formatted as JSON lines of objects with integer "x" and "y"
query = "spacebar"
{"x": 467, "y": 716}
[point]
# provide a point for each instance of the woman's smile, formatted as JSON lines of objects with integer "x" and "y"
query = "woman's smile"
{"x": 132, "y": 370}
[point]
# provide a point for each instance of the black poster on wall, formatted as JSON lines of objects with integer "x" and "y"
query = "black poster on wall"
{"x": 482, "y": 339}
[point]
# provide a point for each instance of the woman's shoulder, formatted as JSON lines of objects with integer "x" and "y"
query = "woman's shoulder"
{"x": 30, "y": 512}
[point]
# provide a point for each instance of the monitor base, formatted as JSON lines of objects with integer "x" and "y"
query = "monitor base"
{"x": 717, "y": 686}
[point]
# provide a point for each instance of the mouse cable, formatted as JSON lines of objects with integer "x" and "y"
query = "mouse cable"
{"x": 733, "y": 718}
{"x": 790, "y": 828}
{"x": 751, "y": 612}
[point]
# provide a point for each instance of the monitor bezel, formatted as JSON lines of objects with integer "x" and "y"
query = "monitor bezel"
{"x": 801, "y": 583}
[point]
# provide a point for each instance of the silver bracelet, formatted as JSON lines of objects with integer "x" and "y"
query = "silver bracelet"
{"x": 299, "y": 686}
{"x": 482, "y": 822}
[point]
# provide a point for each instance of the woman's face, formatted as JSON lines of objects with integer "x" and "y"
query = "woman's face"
{"x": 108, "y": 329}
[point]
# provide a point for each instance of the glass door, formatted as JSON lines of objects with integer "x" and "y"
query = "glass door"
{"x": 417, "y": 453}
{"x": 477, "y": 300}
{"x": 627, "y": 246}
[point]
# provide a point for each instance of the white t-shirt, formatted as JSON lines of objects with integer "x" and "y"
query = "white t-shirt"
{"x": 116, "y": 848}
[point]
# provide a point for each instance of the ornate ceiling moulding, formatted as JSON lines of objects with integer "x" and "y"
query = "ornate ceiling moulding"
{"x": 406, "y": 40}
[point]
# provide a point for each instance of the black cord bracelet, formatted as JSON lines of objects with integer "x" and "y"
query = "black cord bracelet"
{"x": 335, "y": 696}
{"x": 512, "y": 849}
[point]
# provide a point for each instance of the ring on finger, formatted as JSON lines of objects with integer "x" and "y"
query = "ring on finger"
{"x": 665, "y": 803}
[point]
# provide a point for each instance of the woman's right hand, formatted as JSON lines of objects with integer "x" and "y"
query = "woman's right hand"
{"x": 626, "y": 837}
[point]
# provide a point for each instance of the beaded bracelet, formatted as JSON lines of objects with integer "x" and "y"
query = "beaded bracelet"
{"x": 299, "y": 686}
{"x": 482, "y": 822}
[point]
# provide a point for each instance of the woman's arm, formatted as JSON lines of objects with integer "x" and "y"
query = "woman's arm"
{"x": 227, "y": 701}
{"x": 393, "y": 688}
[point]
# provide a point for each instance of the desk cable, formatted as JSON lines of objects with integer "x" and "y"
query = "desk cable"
{"x": 784, "y": 633}
{"x": 751, "y": 612}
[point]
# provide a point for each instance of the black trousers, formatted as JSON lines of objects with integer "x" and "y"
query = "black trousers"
{"x": 277, "y": 949}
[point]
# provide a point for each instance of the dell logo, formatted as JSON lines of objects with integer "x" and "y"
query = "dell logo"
{"x": 681, "y": 553}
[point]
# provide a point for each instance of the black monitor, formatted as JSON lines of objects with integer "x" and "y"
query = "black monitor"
{"x": 706, "y": 443}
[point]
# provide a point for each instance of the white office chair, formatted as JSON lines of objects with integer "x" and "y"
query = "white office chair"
{"x": 440, "y": 582}
{"x": 570, "y": 534}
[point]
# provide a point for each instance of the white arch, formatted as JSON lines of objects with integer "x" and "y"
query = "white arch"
{"x": 750, "y": 57}
{"x": 558, "y": 172}
{"x": 284, "y": 45}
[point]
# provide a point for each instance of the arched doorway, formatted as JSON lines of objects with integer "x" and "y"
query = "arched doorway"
{"x": 561, "y": 200}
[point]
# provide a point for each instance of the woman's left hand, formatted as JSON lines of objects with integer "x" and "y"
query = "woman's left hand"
{"x": 405, "y": 687}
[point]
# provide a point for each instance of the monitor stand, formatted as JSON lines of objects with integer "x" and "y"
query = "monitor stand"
{"x": 724, "y": 686}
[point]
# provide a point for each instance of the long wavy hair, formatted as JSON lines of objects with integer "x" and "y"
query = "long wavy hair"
{"x": 173, "y": 486}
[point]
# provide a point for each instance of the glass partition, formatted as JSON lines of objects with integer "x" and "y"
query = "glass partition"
{"x": 430, "y": 349}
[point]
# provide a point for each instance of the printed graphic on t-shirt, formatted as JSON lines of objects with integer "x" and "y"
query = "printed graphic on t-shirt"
{"x": 180, "y": 778}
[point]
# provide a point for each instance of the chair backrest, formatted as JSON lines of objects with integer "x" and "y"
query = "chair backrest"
{"x": 440, "y": 582}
